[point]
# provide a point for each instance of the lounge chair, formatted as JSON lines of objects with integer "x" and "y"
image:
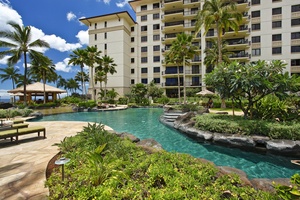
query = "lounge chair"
{"x": 22, "y": 131}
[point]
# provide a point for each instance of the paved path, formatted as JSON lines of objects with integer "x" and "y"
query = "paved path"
{"x": 23, "y": 166}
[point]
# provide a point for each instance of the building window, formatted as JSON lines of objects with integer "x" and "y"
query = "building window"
{"x": 210, "y": 32}
{"x": 144, "y": 70}
{"x": 132, "y": 29}
{"x": 95, "y": 25}
{"x": 144, "y": 7}
{"x": 144, "y": 49}
{"x": 144, "y": 39}
{"x": 155, "y": 26}
{"x": 96, "y": 36}
{"x": 144, "y": 28}
{"x": 156, "y": 37}
{"x": 156, "y": 80}
{"x": 276, "y": 11}
{"x": 132, "y": 60}
{"x": 276, "y": 24}
{"x": 256, "y": 39}
{"x": 132, "y": 39}
{"x": 105, "y": 46}
{"x": 255, "y": 14}
{"x": 156, "y": 16}
{"x": 276, "y": 1}
{"x": 144, "y": 18}
{"x": 105, "y": 35}
{"x": 155, "y": 5}
{"x": 144, "y": 80}
{"x": 295, "y": 49}
{"x": 256, "y": 52}
{"x": 295, "y": 62}
{"x": 255, "y": 2}
{"x": 144, "y": 59}
{"x": 105, "y": 24}
{"x": 156, "y": 58}
{"x": 255, "y": 27}
{"x": 132, "y": 49}
{"x": 132, "y": 81}
{"x": 295, "y": 22}
{"x": 132, "y": 71}
{"x": 156, "y": 69}
{"x": 295, "y": 35}
{"x": 95, "y": 46}
{"x": 296, "y": 8}
{"x": 156, "y": 48}
{"x": 276, "y": 37}
{"x": 276, "y": 50}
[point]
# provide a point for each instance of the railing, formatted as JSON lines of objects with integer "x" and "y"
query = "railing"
{"x": 237, "y": 41}
{"x": 173, "y": 12}
{"x": 190, "y": 24}
{"x": 171, "y": 35}
{"x": 174, "y": 23}
{"x": 241, "y": 1}
{"x": 192, "y": 12}
{"x": 239, "y": 55}
{"x": 170, "y": 1}
{"x": 191, "y": 1}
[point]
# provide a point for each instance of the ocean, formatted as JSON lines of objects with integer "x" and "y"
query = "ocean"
{"x": 4, "y": 100}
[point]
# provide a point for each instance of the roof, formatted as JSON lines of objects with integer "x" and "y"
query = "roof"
{"x": 37, "y": 87}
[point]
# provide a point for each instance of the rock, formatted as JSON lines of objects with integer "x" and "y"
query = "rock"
{"x": 203, "y": 135}
{"x": 36, "y": 115}
{"x": 229, "y": 170}
{"x": 5, "y": 105}
{"x": 284, "y": 146}
{"x": 234, "y": 140}
{"x": 130, "y": 137}
{"x": 150, "y": 145}
{"x": 267, "y": 184}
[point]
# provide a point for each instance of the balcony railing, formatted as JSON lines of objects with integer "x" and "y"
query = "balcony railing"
{"x": 237, "y": 42}
{"x": 192, "y": 12}
{"x": 191, "y": 1}
{"x": 241, "y": 54}
{"x": 174, "y": 23}
{"x": 173, "y": 12}
{"x": 170, "y": 1}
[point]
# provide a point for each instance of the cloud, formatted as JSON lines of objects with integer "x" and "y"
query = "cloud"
{"x": 63, "y": 66}
{"x": 121, "y": 4}
{"x": 106, "y": 1}
{"x": 71, "y": 16}
{"x": 3, "y": 61}
{"x": 60, "y": 44}
{"x": 8, "y": 14}
{"x": 4, "y": 94}
{"x": 83, "y": 37}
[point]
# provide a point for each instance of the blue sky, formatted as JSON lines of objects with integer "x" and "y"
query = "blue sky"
{"x": 56, "y": 22}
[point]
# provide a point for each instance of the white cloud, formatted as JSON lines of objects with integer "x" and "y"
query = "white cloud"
{"x": 71, "y": 16}
{"x": 4, "y": 94}
{"x": 3, "y": 61}
{"x": 60, "y": 44}
{"x": 83, "y": 37}
{"x": 106, "y": 1}
{"x": 63, "y": 66}
{"x": 8, "y": 14}
{"x": 121, "y": 4}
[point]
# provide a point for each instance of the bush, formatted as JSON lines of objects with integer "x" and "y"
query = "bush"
{"x": 87, "y": 104}
{"x": 163, "y": 100}
{"x": 123, "y": 100}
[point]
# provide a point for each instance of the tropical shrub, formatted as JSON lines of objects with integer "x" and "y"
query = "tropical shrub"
{"x": 123, "y": 100}
{"x": 87, "y": 104}
{"x": 163, "y": 100}
{"x": 289, "y": 192}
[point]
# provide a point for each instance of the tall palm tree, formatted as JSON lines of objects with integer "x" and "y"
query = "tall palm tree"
{"x": 83, "y": 78}
{"x": 180, "y": 52}
{"x": 61, "y": 83}
{"x": 20, "y": 44}
{"x": 10, "y": 73}
{"x": 79, "y": 57}
{"x": 100, "y": 76}
{"x": 43, "y": 68}
{"x": 220, "y": 13}
{"x": 108, "y": 66}
{"x": 72, "y": 85}
{"x": 93, "y": 57}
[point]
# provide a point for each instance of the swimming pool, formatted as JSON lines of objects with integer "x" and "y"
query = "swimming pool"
{"x": 144, "y": 123}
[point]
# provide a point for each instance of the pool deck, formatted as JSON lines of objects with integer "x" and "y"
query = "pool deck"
{"x": 23, "y": 165}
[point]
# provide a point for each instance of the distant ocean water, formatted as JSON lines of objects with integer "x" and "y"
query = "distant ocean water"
{"x": 4, "y": 100}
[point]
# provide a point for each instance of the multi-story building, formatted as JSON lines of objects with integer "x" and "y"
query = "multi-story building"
{"x": 270, "y": 30}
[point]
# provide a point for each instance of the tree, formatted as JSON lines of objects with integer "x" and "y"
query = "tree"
{"x": 79, "y": 57}
{"x": 107, "y": 66}
{"x": 222, "y": 14}
{"x": 181, "y": 50}
{"x": 10, "y": 73}
{"x": 44, "y": 69}
{"x": 61, "y": 83}
{"x": 112, "y": 94}
{"x": 100, "y": 76}
{"x": 154, "y": 91}
{"x": 82, "y": 77}
{"x": 139, "y": 92}
{"x": 72, "y": 85}
{"x": 19, "y": 43}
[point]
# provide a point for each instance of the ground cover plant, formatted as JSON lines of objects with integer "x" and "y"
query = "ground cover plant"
{"x": 104, "y": 166}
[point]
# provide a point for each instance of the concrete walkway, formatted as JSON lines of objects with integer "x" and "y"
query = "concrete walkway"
{"x": 23, "y": 165}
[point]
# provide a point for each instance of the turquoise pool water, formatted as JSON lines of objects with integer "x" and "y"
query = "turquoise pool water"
{"x": 144, "y": 123}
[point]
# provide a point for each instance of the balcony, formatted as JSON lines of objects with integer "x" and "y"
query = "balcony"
{"x": 173, "y": 26}
{"x": 190, "y": 14}
{"x": 242, "y": 32}
{"x": 241, "y": 55}
{"x": 173, "y": 15}
{"x": 240, "y": 43}
{"x": 172, "y": 4}
{"x": 191, "y": 3}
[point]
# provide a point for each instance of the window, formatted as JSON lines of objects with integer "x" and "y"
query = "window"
{"x": 295, "y": 62}
{"x": 132, "y": 60}
{"x": 255, "y": 2}
{"x": 156, "y": 58}
{"x": 156, "y": 37}
{"x": 255, "y": 14}
{"x": 105, "y": 35}
{"x": 295, "y": 22}
{"x": 276, "y": 1}
{"x": 276, "y": 37}
{"x": 96, "y": 36}
{"x": 144, "y": 7}
{"x": 276, "y": 50}
{"x": 255, "y": 27}
{"x": 210, "y": 32}
{"x": 132, "y": 81}
{"x": 144, "y": 59}
{"x": 132, "y": 29}
{"x": 256, "y": 52}
{"x": 144, "y": 80}
{"x": 296, "y": 8}
{"x": 156, "y": 16}
{"x": 105, "y": 24}
{"x": 276, "y": 24}
{"x": 144, "y": 39}
{"x": 256, "y": 39}
{"x": 95, "y": 25}
{"x": 295, "y": 35}
{"x": 144, "y": 18}
{"x": 132, "y": 49}
{"x": 132, "y": 71}
{"x": 144, "y": 49}
{"x": 276, "y": 11}
{"x": 144, "y": 70}
{"x": 156, "y": 80}
{"x": 155, "y": 26}
{"x": 132, "y": 39}
{"x": 295, "y": 49}
{"x": 155, "y": 5}
{"x": 156, "y": 48}
{"x": 105, "y": 46}
{"x": 144, "y": 28}
{"x": 156, "y": 69}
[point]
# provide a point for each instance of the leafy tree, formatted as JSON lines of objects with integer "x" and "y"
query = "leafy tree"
{"x": 154, "y": 91}
{"x": 139, "y": 92}
{"x": 222, "y": 14}
{"x": 19, "y": 43}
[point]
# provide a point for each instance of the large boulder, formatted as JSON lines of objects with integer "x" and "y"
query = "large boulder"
{"x": 268, "y": 184}
{"x": 234, "y": 140}
{"x": 229, "y": 170}
{"x": 129, "y": 136}
{"x": 150, "y": 145}
{"x": 284, "y": 146}
{"x": 5, "y": 105}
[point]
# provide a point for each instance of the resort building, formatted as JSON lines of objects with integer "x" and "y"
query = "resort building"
{"x": 270, "y": 30}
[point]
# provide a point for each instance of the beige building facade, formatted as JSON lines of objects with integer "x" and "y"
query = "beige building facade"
{"x": 270, "y": 30}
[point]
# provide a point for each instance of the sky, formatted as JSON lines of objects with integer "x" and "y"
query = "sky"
{"x": 56, "y": 22}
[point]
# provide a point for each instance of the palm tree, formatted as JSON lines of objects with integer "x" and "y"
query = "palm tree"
{"x": 181, "y": 50}
{"x": 108, "y": 66}
{"x": 83, "y": 78}
{"x": 20, "y": 43}
{"x": 61, "y": 83}
{"x": 79, "y": 57}
{"x": 72, "y": 85}
{"x": 220, "y": 13}
{"x": 10, "y": 73}
{"x": 44, "y": 69}
{"x": 100, "y": 76}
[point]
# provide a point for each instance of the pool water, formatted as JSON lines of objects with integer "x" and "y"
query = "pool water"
{"x": 144, "y": 123}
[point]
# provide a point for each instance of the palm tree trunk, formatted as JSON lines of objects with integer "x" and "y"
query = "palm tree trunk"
{"x": 178, "y": 79}
{"x": 184, "y": 91}
{"x": 44, "y": 87}
{"x": 219, "y": 43}
{"x": 105, "y": 84}
{"x": 82, "y": 82}
{"x": 25, "y": 79}
{"x": 93, "y": 84}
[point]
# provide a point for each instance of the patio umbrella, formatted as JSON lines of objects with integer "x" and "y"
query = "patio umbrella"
{"x": 205, "y": 92}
